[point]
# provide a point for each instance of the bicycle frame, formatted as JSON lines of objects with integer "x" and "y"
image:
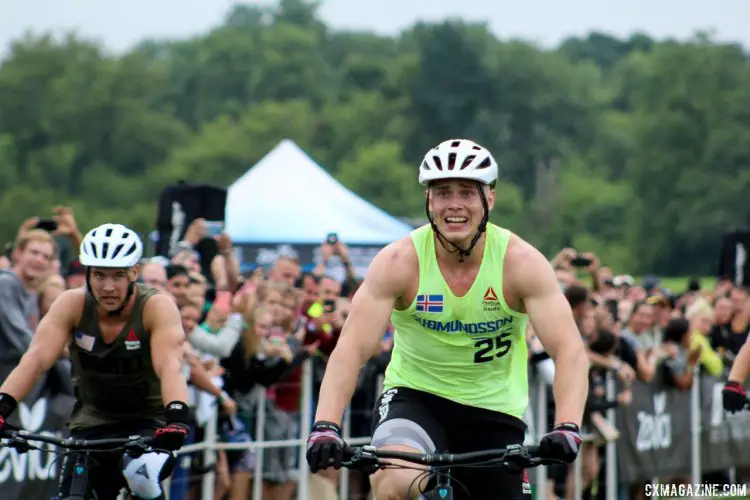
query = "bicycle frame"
{"x": 79, "y": 487}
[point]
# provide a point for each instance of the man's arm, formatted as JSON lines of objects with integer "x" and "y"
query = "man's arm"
{"x": 553, "y": 322}
{"x": 47, "y": 345}
{"x": 364, "y": 327}
{"x": 162, "y": 318}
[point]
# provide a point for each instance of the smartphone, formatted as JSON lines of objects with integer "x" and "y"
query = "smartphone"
{"x": 332, "y": 238}
{"x": 47, "y": 224}
{"x": 579, "y": 261}
{"x": 214, "y": 228}
{"x": 329, "y": 306}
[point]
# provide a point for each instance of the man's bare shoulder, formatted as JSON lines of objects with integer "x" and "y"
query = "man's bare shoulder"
{"x": 525, "y": 266}
{"x": 68, "y": 307}
{"x": 394, "y": 267}
{"x": 73, "y": 297}
{"x": 158, "y": 308}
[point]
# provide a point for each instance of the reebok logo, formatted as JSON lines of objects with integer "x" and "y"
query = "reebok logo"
{"x": 131, "y": 341}
{"x": 490, "y": 301}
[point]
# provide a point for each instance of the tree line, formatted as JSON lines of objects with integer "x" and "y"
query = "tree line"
{"x": 637, "y": 149}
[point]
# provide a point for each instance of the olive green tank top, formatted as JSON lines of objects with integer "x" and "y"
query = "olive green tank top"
{"x": 114, "y": 383}
{"x": 470, "y": 349}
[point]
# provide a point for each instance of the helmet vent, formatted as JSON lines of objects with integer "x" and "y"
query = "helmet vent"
{"x": 451, "y": 161}
{"x": 92, "y": 249}
{"x": 130, "y": 250}
{"x": 455, "y": 144}
{"x": 105, "y": 249}
{"x": 108, "y": 232}
{"x": 438, "y": 163}
{"x": 468, "y": 161}
{"x": 485, "y": 164}
{"x": 118, "y": 248}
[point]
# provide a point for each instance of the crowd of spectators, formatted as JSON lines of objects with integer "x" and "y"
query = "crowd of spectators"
{"x": 249, "y": 334}
{"x": 247, "y": 337}
{"x": 640, "y": 331}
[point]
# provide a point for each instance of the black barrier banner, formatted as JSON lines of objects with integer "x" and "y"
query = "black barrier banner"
{"x": 33, "y": 475}
{"x": 725, "y": 438}
{"x": 654, "y": 433}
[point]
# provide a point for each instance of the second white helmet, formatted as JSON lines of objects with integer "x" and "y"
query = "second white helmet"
{"x": 458, "y": 159}
{"x": 111, "y": 245}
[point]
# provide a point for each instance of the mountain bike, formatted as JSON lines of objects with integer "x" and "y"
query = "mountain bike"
{"x": 367, "y": 459}
{"x": 134, "y": 446}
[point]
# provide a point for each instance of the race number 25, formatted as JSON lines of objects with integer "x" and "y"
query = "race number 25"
{"x": 492, "y": 348}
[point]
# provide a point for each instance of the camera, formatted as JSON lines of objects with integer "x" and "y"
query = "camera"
{"x": 49, "y": 225}
{"x": 579, "y": 261}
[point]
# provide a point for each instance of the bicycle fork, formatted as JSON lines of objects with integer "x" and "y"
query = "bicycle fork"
{"x": 442, "y": 491}
{"x": 79, "y": 484}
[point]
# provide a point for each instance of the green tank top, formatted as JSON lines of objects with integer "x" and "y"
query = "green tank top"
{"x": 470, "y": 349}
{"x": 114, "y": 383}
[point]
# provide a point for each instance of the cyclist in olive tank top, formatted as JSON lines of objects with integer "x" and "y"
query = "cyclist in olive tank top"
{"x": 459, "y": 292}
{"x": 126, "y": 348}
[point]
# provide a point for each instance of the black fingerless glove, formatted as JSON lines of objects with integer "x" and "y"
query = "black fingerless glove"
{"x": 8, "y": 405}
{"x": 172, "y": 435}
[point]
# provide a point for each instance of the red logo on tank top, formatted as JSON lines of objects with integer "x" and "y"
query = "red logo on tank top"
{"x": 131, "y": 341}
{"x": 490, "y": 301}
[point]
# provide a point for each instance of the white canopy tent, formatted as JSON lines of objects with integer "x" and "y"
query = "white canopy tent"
{"x": 288, "y": 198}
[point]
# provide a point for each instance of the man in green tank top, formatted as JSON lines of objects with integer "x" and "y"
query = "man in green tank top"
{"x": 459, "y": 292}
{"x": 126, "y": 348}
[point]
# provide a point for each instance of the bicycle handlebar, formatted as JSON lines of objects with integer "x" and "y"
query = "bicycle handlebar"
{"x": 367, "y": 457}
{"x": 20, "y": 441}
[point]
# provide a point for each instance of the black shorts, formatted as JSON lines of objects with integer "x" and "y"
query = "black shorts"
{"x": 430, "y": 423}
{"x": 104, "y": 468}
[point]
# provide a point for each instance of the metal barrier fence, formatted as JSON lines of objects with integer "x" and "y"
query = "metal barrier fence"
{"x": 536, "y": 421}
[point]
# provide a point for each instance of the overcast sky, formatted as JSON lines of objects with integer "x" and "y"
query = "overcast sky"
{"x": 122, "y": 23}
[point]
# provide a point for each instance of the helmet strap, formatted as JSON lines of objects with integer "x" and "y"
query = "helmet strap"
{"x": 128, "y": 294}
{"x": 462, "y": 252}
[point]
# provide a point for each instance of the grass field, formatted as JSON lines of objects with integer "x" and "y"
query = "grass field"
{"x": 678, "y": 284}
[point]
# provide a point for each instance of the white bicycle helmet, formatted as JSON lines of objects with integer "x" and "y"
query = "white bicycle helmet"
{"x": 111, "y": 245}
{"x": 458, "y": 159}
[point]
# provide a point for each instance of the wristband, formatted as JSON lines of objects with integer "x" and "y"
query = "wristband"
{"x": 177, "y": 411}
{"x": 8, "y": 404}
{"x": 570, "y": 426}
{"x": 323, "y": 425}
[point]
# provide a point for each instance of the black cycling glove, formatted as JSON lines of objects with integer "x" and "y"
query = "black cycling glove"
{"x": 172, "y": 436}
{"x": 563, "y": 443}
{"x": 325, "y": 446}
{"x": 734, "y": 397}
{"x": 8, "y": 405}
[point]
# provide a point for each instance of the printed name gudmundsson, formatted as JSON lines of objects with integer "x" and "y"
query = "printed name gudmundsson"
{"x": 696, "y": 490}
